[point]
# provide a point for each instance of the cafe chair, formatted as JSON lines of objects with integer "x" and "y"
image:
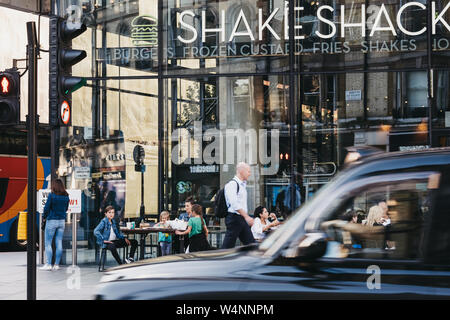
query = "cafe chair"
{"x": 102, "y": 260}
{"x": 101, "y": 263}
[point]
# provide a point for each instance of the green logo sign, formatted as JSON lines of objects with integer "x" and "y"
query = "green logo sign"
{"x": 183, "y": 187}
{"x": 144, "y": 31}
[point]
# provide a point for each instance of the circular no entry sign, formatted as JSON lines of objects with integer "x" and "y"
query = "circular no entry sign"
{"x": 65, "y": 112}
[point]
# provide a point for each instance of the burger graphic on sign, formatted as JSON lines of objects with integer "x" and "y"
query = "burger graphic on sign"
{"x": 144, "y": 31}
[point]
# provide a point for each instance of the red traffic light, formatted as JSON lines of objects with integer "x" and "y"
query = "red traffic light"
{"x": 6, "y": 85}
{"x": 9, "y": 97}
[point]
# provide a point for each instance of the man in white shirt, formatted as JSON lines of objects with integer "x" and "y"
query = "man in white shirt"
{"x": 238, "y": 221}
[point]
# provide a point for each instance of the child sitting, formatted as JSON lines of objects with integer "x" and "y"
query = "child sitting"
{"x": 109, "y": 236}
{"x": 164, "y": 239}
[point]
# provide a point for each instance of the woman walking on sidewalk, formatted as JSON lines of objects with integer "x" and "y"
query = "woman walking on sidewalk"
{"x": 55, "y": 216}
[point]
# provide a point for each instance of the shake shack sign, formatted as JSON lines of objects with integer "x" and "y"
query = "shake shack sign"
{"x": 144, "y": 37}
{"x": 339, "y": 29}
{"x": 326, "y": 29}
{"x": 368, "y": 21}
{"x": 144, "y": 31}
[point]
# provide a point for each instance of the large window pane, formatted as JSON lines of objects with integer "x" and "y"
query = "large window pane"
{"x": 384, "y": 221}
{"x": 386, "y": 110}
{"x": 222, "y": 121}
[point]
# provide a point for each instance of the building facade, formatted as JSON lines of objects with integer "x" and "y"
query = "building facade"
{"x": 285, "y": 86}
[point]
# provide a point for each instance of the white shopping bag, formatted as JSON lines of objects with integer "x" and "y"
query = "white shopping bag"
{"x": 178, "y": 224}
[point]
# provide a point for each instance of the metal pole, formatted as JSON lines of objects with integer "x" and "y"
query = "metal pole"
{"x": 142, "y": 216}
{"x": 41, "y": 241}
{"x": 74, "y": 239}
{"x": 430, "y": 74}
{"x": 291, "y": 18}
{"x": 142, "y": 212}
{"x": 104, "y": 107}
{"x": 32, "y": 122}
{"x": 161, "y": 178}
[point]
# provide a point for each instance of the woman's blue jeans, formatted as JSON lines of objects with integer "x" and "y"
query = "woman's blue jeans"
{"x": 52, "y": 228}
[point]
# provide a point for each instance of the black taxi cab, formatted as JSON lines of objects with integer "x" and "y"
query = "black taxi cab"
{"x": 380, "y": 229}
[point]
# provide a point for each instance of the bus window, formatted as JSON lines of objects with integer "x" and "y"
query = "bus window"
{"x": 3, "y": 188}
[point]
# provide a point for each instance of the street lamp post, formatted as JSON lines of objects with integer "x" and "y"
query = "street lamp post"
{"x": 139, "y": 156}
{"x": 32, "y": 125}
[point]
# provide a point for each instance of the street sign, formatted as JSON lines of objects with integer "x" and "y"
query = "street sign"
{"x": 353, "y": 95}
{"x": 139, "y": 167}
{"x": 82, "y": 172}
{"x": 74, "y": 200}
{"x": 97, "y": 175}
{"x": 65, "y": 112}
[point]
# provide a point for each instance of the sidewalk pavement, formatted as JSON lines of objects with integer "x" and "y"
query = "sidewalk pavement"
{"x": 66, "y": 283}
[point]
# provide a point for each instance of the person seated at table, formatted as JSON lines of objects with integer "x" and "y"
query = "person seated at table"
{"x": 197, "y": 230}
{"x": 109, "y": 236}
{"x": 164, "y": 239}
{"x": 261, "y": 224}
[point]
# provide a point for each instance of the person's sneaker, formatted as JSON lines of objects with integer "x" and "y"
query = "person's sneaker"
{"x": 55, "y": 267}
{"x": 129, "y": 260}
{"x": 46, "y": 267}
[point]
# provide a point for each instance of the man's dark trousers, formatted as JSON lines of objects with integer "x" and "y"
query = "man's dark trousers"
{"x": 237, "y": 227}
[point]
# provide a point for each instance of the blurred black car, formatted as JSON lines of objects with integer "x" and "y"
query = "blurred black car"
{"x": 318, "y": 253}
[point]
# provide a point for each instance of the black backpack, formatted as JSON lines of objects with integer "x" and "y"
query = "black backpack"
{"x": 220, "y": 204}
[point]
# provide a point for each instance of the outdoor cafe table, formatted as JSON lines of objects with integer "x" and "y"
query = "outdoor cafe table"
{"x": 144, "y": 232}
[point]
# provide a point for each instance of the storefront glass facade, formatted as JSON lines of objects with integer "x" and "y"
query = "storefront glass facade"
{"x": 286, "y": 86}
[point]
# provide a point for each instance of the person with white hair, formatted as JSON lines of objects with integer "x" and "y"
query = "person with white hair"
{"x": 237, "y": 221}
{"x": 375, "y": 216}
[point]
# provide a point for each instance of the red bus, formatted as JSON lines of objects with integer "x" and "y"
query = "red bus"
{"x": 13, "y": 195}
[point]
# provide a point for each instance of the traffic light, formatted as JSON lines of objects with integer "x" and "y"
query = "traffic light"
{"x": 9, "y": 97}
{"x": 284, "y": 156}
{"x": 62, "y": 58}
{"x": 139, "y": 156}
{"x": 285, "y": 161}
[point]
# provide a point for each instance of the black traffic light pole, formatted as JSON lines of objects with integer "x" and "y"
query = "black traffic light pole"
{"x": 32, "y": 125}
{"x": 142, "y": 211}
{"x": 139, "y": 156}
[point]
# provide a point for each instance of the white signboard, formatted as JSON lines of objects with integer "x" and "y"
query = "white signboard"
{"x": 203, "y": 169}
{"x": 353, "y": 95}
{"x": 88, "y": 133}
{"x": 413, "y": 148}
{"x": 82, "y": 172}
{"x": 360, "y": 139}
{"x": 447, "y": 119}
{"x": 74, "y": 200}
